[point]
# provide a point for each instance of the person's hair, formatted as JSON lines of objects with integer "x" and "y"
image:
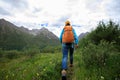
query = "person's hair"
{"x": 68, "y": 24}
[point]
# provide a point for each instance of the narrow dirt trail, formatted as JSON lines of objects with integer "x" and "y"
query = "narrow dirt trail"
{"x": 70, "y": 73}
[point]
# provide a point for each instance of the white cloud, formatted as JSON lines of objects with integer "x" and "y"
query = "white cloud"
{"x": 84, "y": 13}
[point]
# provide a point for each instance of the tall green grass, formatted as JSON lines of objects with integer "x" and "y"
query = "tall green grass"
{"x": 40, "y": 67}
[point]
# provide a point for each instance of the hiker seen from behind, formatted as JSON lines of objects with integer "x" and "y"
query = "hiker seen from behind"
{"x": 69, "y": 40}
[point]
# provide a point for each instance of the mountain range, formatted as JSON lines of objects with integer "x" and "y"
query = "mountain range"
{"x": 82, "y": 35}
{"x": 14, "y": 37}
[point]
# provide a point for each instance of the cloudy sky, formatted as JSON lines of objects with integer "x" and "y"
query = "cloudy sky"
{"x": 83, "y": 14}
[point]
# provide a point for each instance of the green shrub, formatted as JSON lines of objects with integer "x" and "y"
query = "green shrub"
{"x": 96, "y": 55}
{"x": 100, "y": 52}
{"x": 113, "y": 66}
{"x": 1, "y": 53}
{"x": 109, "y": 32}
{"x": 102, "y": 60}
{"x": 12, "y": 54}
{"x": 31, "y": 52}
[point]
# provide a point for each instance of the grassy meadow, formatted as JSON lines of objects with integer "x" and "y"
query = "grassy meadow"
{"x": 96, "y": 58}
{"x": 42, "y": 66}
{"x": 47, "y": 66}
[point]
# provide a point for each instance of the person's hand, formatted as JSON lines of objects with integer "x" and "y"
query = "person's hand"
{"x": 76, "y": 46}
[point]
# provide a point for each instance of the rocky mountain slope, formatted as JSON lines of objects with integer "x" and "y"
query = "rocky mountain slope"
{"x": 14, "y": 37}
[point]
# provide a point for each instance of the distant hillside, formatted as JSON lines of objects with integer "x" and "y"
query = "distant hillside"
{"x": 34, "y": 31}
{"x": 82, "y": 35}
{"x": 47, "y": 33}
{"x": 45, "y": 38}
{"x": 13, "y": 37}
